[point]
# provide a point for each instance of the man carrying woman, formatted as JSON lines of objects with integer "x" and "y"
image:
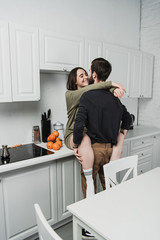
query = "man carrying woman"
{"x": 78, "y": 84}
{"x": 106, "y": 120}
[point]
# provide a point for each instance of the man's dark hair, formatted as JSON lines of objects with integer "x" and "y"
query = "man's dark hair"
{"x": 72, "y": 78}
{"x": 102, "y": 68}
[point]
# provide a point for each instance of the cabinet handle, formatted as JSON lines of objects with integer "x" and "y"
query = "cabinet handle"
{"x": 142, "y": 142}
{"x": 142, "y": 154}
{"x": 141, "y": 171}
{"x": 154, "y": 137}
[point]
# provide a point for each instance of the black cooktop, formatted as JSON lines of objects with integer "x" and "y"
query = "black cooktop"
{"x": 24, "y": 152}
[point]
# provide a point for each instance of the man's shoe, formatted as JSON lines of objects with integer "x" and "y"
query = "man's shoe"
{"x": 87, "y": 235}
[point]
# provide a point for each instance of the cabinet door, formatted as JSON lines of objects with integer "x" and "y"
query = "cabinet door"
{"x": 2, "y": 215}
{"x": 126, "y": 149}
{"x": 119, "y": 58}
{"x": 60, "y": 52}
{"x": 66, "y": 186}
{"x": 145, "y": 158}
{"x": 24, "y": 63}
{"x": 5, "y": 71}
{"x": 147, "y": 75}
{"x": 156, "y": 151}
{"x": 20, "y": 192}
{"x": 77, "y": 179}
{"x": 144, "y": 167}
{"x": 135, "y": 73}
{"x": 93, "y": 49}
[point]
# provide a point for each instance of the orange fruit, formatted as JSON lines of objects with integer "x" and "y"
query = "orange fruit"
{"x": 56, "y": 146}
{"x": 59, "y": 142}
{"x": 51, "y": 137}
{"x": 49, "y": 145}
{"x": 57, "y": 139}
{"x": 56, "y": 133}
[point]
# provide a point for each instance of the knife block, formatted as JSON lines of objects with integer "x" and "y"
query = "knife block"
{"x": 46, "y": 129}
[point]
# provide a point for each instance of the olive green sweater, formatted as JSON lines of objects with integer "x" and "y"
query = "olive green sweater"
{"x": 72, "y": 102}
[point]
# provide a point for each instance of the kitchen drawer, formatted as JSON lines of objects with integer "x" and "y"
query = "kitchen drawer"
{"x": 145, "y": 167}
{"x": 143, "y": 154}
{"x": 141, "y": 142}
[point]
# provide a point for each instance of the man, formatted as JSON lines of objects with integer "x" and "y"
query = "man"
{"x": 103, "y": 115}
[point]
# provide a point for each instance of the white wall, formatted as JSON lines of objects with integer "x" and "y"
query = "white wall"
{"x": 115, "y": 21}
{"x": 149, "y": 109}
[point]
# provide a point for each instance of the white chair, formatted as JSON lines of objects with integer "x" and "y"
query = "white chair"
{"x": 44, "y": 229}
{"x": 112, "y": 168}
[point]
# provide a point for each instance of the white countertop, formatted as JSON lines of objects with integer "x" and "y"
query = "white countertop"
{"x": 138, "y": 131}
{"x": 141, "y": 131}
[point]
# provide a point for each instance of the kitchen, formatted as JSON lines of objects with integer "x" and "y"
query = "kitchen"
{"x": 135, "y": 26}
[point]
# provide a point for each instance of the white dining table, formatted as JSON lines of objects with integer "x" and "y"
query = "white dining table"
{"x": 128, "y": 211}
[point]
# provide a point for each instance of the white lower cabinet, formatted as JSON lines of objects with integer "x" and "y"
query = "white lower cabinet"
{"x": 156, "y": 151}
{"x": 65, "y": 183}
{"x": 145, "y": 157}
{"x": 69, "y": 185}
{"x": 2, "y": 213}
{"x": 20, "y": 190}
{"x": 53, "y": 186}
{"x": 126, "y": 149}
{"x": 143, "y": 147}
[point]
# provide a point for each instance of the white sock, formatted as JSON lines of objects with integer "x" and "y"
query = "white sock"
{"x": 89, "y": 182}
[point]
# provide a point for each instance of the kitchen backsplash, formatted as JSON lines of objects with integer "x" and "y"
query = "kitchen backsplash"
{"x": 18, "y": 118}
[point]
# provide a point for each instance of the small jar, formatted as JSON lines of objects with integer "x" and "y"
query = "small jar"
{"x": 58, "y": 126}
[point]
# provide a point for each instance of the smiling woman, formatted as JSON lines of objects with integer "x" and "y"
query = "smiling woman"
{"x": 77, "y": 79}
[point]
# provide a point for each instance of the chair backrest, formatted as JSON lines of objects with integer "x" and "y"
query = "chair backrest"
{"x": 44, "y": 229}
{"x": 112, "y": 168}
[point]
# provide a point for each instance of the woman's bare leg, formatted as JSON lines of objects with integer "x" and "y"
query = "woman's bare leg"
{"x": 86, "y": 154}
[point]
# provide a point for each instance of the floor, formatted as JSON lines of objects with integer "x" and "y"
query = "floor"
{"x": 65, "y": 232}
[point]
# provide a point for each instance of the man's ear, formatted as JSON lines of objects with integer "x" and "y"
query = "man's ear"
{"x": 94, "y": 75}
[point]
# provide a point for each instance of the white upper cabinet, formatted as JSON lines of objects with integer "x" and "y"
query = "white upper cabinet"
{"x": 19, "y": 63}
{"x": 132, "y": 68}
{"x": 147, "y": 75}
{"x": 93, "y": 49}
{"x": 135, "y": 73}
{"x": 119, "y": 57}
{"x": 24, "y": 63}
{"x": 60, "y": 52}
{"x": 5, "y": 71}
{"x": 141, "y": 74}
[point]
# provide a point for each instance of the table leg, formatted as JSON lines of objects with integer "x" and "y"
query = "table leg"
{"x": 77, "y": 229}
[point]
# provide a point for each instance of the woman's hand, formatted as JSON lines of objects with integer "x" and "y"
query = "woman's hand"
{"x": 119, "y": 91}
{"x": 77, "y": 155}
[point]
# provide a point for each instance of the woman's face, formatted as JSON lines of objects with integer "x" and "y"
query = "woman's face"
{"x": 82, "y": 78}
